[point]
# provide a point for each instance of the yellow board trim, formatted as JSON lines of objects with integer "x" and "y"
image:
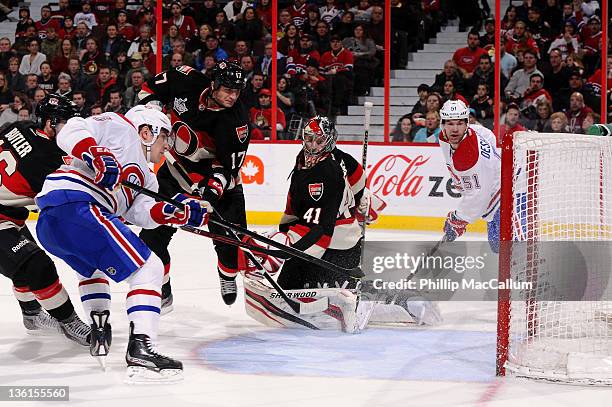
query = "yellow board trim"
{"x": 422, "y": 223}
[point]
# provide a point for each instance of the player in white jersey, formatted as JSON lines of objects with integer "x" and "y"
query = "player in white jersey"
{"x": 471, "y": 156}
{"x": 82, "y": 205}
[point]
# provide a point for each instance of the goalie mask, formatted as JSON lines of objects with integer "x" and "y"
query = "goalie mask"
{"x": 155, "y": 120}
{"x": 318, "y": 138}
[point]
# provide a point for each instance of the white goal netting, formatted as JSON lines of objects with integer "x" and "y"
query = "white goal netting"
{"x": 561, "y": 329}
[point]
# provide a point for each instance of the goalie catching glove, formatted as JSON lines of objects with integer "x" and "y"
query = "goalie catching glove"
{"x": 270, "y": 263}
{"x": 195, "y": 213}
{"x": 454, "y": 227}
{"x": 370, "y": 205}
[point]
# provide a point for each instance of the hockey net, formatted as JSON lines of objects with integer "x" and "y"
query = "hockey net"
{"x": 556, "y": 207}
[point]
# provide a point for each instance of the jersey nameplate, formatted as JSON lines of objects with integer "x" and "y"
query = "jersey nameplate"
{"x": 19, "y": 142}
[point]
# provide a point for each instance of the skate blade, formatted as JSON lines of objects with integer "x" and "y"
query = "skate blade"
{"x": 141, "y": 375}
{"x": 44, "y": 332}
{"x": 101, "y": 361}
{"x": 166, "y": 310}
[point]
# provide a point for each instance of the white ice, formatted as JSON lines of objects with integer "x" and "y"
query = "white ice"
{"x": 230, "y": 360}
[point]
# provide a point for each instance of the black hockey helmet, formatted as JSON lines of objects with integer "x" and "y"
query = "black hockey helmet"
{"x": 56, "y": 108}
{"x": 228, "y": 74}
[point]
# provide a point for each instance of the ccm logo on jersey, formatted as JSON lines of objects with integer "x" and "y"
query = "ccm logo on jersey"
{"x": 242, "y": 132}
{"x": 22, "y": 243}
{"x": 315, "y": 190}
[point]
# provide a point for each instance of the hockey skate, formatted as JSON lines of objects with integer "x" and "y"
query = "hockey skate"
{"x": 40, "y": 323}
{"x": 76, "y": 330}
{"x": 101, "y": 336}
{"x": 228, "y": 289}
{"x": 146, "y": 366}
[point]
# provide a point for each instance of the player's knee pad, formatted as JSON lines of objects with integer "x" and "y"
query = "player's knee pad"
{"x": 149, "y": 275}
{"x": 158, "y": 240}
{"x": 38, "y": 272}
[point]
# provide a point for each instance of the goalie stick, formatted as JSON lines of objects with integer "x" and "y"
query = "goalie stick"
{"x": 299, "y": 307}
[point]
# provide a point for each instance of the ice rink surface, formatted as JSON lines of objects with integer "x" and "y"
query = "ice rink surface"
{"x": 231, "y": 360}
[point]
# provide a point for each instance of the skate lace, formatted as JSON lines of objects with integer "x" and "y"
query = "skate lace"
{"x": 228, "y": 286}
{"x": 78, "y": 328}
{"x": 152, "y": 348}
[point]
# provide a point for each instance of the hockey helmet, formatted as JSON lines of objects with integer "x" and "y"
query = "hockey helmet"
{"x": 56, "y": 108}
{"x": 229, "y": 75}
{"x": 320, "y": 134}
{"x": 151, "y": 116}
{"x": 454, "y": 110}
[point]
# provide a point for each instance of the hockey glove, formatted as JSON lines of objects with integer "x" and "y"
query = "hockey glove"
{"x": 103, "y": 162}
{"x": 370, "y": 205}
{"x": 270, "y": 263}
{"x": 454, "y": 227}
{"x": 210, "y": 189}
{"x": 195, "y": 213}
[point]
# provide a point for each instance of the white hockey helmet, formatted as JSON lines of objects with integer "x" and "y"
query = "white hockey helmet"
{"x": 454, "y": 110}
{"x": 150, "y": 116}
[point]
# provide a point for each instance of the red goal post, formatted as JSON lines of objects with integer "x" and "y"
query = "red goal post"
{"x": 555, "y": 188}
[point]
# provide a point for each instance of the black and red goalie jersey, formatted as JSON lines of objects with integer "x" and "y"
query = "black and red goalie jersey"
{"x": 211, "y": 143}
{"x": 319, "y": 214}
{"x": 27, "y": 156}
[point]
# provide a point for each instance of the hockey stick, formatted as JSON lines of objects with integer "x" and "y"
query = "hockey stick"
{"x": 226, "y": 240}
{"x": 367, "y": 106}
{"x": 350, "y": 273}
{"x": 299, "y": 307}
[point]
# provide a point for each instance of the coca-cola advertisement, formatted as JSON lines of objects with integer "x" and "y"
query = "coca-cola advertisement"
{"x": 412, "y": 180}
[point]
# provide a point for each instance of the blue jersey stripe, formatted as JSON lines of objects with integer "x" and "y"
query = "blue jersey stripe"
{"x": 143, "y": 308}
{"x": 95, "y": 296}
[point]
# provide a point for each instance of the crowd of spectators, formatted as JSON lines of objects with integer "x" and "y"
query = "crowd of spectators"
{"x": 329, "y": 52}
{"x": 550, "y": 66}
{"x": 98, "y": 53}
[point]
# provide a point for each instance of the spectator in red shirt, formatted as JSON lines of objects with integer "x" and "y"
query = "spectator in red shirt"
{"x": 297, "y": 58}
{"x": 261, "y": 117}
{"x": 337, "y": 65}
{"x": 511, "y": 121}
{"x": 467, "y": 58}
{"x": 125, "y": 28}
{"x": 535, "y": 92}
{"x": 519, "y": 39}
{"x": 104, "y": 83}
{"x": 576, "y": 113}
{"x": 186, "y": 25}
{"x": 45, "y": 22}
{"x": 298, "y": 12}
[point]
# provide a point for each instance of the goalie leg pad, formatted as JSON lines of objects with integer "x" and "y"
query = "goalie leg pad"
{"x": 265, "y": 305}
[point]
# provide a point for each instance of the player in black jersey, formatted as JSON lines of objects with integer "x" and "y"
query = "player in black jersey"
{"x": 320, "y": 215}
{"x": 212, "y": 137}
{"x": 28, "y": 153}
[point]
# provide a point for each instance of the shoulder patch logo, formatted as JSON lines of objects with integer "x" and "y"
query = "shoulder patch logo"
{"x": 315, "y": 190}
{"x": 180, "y": 106}
{"x": 242, "y": 132}
{"x": 184, "y": 69}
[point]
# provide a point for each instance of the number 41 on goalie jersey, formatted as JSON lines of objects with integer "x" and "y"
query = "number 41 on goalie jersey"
{"x": 320, "y": 209}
